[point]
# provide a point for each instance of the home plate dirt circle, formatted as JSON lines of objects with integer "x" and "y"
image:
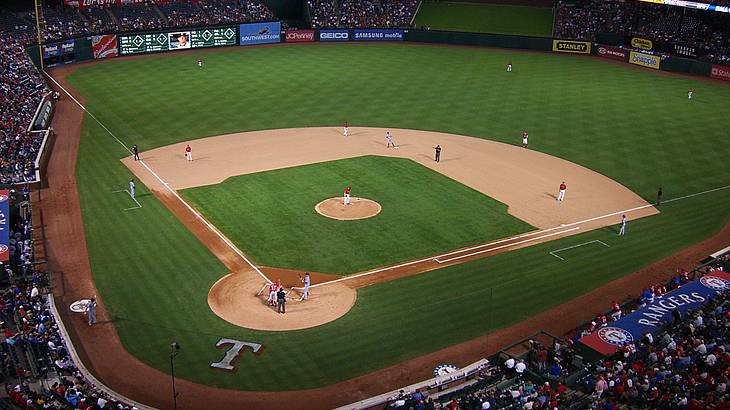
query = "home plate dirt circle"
{"x": 359, "y": 208}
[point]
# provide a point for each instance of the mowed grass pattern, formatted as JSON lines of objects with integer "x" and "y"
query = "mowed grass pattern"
{"x": 271, "y": 214}
{"x": 486, "y": 18}
{"x": 633, "y": 125}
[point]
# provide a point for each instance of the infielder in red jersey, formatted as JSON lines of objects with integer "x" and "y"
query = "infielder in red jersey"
{"x": 561, "y": 192}
{"x": 525, "y": 137}
{"x": 188, "y": 153}
{"x": 346, "y": 196}
{"x": 346, "y": 128}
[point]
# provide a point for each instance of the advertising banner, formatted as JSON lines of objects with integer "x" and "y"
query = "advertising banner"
{"x": 655, "y": 316}
{"x": 614, "y": 53}
{"x": 641, "y": 43}
{"x": 177, "y": 40}
{"x": 58, "y": 49}
{"x": 104, "y": 46}
{"x": 720, "y": 72}
{"x": 334, "y": 35}
{"x": 299, "y": 36}
{"x": 645, "y": 60}
{"x": 378, "y": 35}
{"x": 685, "y": 51}
{"x": 4, "y": 225}
{"x": 567, "y": 46}
{"x": 260, "y": 33}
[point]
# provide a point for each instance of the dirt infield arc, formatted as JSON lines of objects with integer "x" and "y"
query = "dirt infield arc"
{"x": 59, "y": 214}
{"x": 523, "y": 179}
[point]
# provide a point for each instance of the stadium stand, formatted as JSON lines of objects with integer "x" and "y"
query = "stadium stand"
{"x": 351, "y": 13}
{"x": 587, "y": 20}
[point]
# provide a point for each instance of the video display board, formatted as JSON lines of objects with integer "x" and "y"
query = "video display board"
{"x": 176, "y": 40}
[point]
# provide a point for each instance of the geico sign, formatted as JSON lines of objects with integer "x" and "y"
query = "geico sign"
{"x": 334, "y": 36}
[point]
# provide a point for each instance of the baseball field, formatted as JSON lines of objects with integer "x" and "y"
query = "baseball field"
{"x": 630, "y": 129}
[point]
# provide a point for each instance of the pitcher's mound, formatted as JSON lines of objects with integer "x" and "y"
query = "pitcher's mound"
{"x": 359, "y": 208}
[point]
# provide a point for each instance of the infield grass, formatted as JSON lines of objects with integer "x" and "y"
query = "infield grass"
{"x": 423, "y": 213}
{"x": 486, "y": 18}
{"x": 633, "y": 125}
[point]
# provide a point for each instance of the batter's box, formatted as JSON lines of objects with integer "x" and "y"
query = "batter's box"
{"x": 137, "y": 205}
{"x": 555, "y": 252}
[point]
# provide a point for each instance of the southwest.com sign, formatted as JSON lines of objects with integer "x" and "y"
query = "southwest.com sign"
{"x": 334, "y": 35}
{"x": 260, "y": 33}
{"x": 645, "y": 60}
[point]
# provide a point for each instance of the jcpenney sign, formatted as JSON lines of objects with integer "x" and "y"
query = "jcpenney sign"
{"x": 720, "y": 72}
{"x": 613, "y": 53}
{"x": 334, "y": 35}
{"x": 299, "y": 36}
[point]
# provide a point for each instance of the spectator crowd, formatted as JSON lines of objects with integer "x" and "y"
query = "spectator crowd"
{"x": 706, "y": 31}
{"x": 362, "y": 13}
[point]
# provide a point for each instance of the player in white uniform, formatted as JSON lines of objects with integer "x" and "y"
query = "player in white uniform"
{"x": 389, "y": 139}
{"x": 690, "y": 93}
{"x": 509, "y": 66}
{"x": 131, "y": 188}
{"x": 307, "y": 281}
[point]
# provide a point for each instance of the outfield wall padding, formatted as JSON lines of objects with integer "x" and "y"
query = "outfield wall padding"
{"x": 479, "y": 39}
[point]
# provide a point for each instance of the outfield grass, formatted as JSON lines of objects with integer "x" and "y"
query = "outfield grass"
{"x": 486, "y": 18}
{"x": 632, "y": 125}
{"x": 418, "y": 217}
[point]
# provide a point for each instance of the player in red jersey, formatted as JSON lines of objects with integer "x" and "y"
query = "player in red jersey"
{"x": 346, "y": 196}
{"x": 561, "y": 192}
{"x": 346, "y": 128}
{"x": 188, "y": 153}
{"x": 525, "y": 137}
{"x": 273, "y": 288}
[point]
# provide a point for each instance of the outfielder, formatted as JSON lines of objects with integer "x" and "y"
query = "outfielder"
{"x": 188, "y": 153}
{"x": 346, "y": 196}
{"x": 200, "y": 63}
{"x": 690, "y": 93}
{"x": 346, "y": 128}
{"x": 561, "y": 192}
{"x": 509, "y": 66}
{"x": 389, "y": 139}
{"x": 131, "y": 188}
{"x": 525, "y": 137}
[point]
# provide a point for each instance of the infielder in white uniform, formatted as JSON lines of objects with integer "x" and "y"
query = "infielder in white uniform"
{"x": 131, "y": 188}
{"x": 389, "y": 139}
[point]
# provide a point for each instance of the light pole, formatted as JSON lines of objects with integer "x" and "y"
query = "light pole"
{"x": 174, "y": 350}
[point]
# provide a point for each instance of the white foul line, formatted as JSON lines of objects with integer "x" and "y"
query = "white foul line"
{"x": 133, "y": 199}
{"x": 174, "y": 193}
{"x": 577, "y": 246}
{"x": 437, "y": 259}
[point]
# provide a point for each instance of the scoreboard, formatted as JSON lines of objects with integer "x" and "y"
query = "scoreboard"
{"x": 177, "y": 40}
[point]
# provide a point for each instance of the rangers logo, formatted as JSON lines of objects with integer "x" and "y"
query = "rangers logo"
{"x": 3, "y": 248}
{"x": 3, "y": 197}
{"x": 444, "y": 369}
{"x": 80, "y": 306}
{"x": 615, "y": 336}
{"x": 713, "y": 282}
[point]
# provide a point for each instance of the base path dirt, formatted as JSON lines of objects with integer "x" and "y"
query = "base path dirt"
{"x": 101, "y": 350}
{"x": 358, "y": 208}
